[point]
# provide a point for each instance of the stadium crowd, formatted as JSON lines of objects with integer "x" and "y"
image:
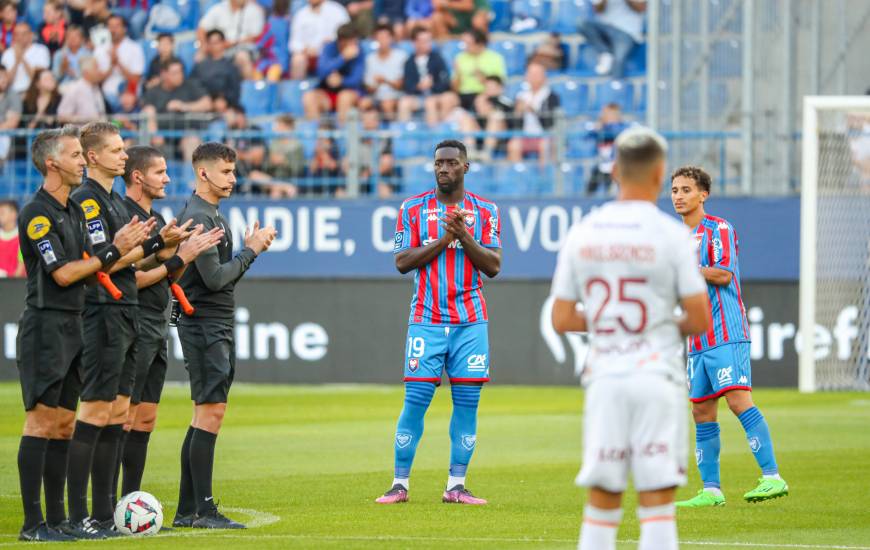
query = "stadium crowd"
{"x": 281, "y": 83}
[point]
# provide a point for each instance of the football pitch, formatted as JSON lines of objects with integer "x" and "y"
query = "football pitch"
{"x": 303, "y": 464}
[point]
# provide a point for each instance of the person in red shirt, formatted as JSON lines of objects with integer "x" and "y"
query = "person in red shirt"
{"x": 11, "y": 262}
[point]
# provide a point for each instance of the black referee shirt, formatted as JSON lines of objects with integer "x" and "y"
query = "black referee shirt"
{"x": 155, "y": 298}
{"x": 105, "y": 214}
{"x": 52, "y": 235}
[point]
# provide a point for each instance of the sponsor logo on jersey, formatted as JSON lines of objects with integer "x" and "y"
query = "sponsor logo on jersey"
{"x": 432, "y": 211}
{"x": 38, "y": 227}
{"x": 90, "y": 208}
{"x": 403, "y": 440}
{"x": 432, "y": 218}
{"x": 96, "y": 231}
{"x": 468, "y": 441}
{"x": 723, "y": 225}
{"x": 754, "y": 444}
{"x": 477, "y": 362}
{"x": 742, "y": 380}
{"x": 413, "y": 365}
{"x": 398, "y": 240}
{"x": 454, "y": 244}
{"x": 724, "y": 375}
{"x": 47, "y": 251}
{"x": 717, "y": 250}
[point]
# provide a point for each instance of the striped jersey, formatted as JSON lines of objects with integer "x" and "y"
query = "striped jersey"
{"x": 448, "y": 290}
{"x": 717, "y": 247}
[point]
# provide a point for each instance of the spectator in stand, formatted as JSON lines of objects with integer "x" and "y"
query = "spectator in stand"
{"x": 66, "y": 62}
{"x": 392, "y": 12}
{"x": 314, "y": 26}
{"x": 285, "y": 161}
{"x": 122, "y": 62}
{"x": 325, "y": 165}
{"x": 340, "y": 71}
{"x": 24, "y": 57}
{"x": 217, "y": 73}
{"x": 551, "y": 53}
{"x": 10, "y": 112}
{"x": 455, "y": 17}
{"x": 96, "y": 23}
{"x": 273, "y": 55}
{"x": 248, "y": 143}
{"x": 176, "y": 104}
{"x": 426, "y": 81}
{"x": 244, "y": 61}
{"x": 535, "y": 107}
{"x": 11, "y": 261}
{"x": 473, "y": 66}
{"x": 134, "y": 12}
{"x": 609, "y": 125}
{"x": 419, "y": 15}
{"x": 361, "y": 15}
{"x": 126, "y": 117}
{"x": 41, "y": 101}
{"x": 53, "y": 28}
{"x": 165, "y": 52}
{"x": 614, "y": 31}
{"x": 376, "y": 156}
{"x": 83, "y": 100}
{"x": 8, "y": 18}
{"x": 383, "y": 73}
{"x": 493, "y": 112}
{"x": 241, "y": 22}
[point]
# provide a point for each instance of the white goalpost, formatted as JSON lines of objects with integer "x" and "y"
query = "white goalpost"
{"x": 835, "y": 244}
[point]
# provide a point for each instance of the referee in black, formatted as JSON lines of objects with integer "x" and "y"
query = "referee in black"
{"x": 207, "y": 336}
{"x": 110, "y": 327}
{"x": 50, "y": 329}
{"x": 145, "y": 178}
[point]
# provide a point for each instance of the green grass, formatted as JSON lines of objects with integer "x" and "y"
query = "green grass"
{"x": 311, "y": 459}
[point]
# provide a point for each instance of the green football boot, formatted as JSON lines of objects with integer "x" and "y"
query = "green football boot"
{"x": 767, "y": 489}
{"x": 703, "y": 499}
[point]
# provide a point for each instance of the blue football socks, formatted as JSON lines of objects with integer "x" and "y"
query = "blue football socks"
{"x": 463, "y": 428}
{"x": 418, "y": 396}
{"x": 758, "y": 436}
{"x": 707, "y": 448}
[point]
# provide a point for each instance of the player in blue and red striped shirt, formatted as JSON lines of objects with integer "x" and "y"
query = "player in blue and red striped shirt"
{"x": 718, "y": 362}
{"x": 449, "y": 237}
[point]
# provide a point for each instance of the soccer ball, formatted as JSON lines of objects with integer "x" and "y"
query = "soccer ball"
{"x": 138, "y": 513}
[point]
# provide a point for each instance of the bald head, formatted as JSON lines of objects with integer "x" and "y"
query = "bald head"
{"x": 640, "y": 157}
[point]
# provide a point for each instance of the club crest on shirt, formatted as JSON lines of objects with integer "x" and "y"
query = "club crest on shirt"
{"x": 47, "y": 251}
{"x": 96, "y": 232}
{"x": 469, "y": 220}
{"x": 38, "y": 227}
{"x": 90, "y": 208}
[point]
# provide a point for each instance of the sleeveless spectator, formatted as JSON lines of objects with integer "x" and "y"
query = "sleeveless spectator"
{"x": 313, "y": 27}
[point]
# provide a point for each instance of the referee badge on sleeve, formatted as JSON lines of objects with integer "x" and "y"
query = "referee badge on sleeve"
{"x": 46, "y": 251}
{"x": 38, "y": 227}
{"x": 96, "y": 232}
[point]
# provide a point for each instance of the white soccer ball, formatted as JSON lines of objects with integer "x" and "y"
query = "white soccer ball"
{"x": 139, "y": 513}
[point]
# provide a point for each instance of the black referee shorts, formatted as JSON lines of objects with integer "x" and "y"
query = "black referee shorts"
{"x": 109, "y": 356}
{"x": 151, "y": 358}
{"x": 209, "y": 357}
{"x": 49, "y": 351}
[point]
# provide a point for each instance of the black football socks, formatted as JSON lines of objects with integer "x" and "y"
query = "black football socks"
{"x": 81, "y": 454}
{"x": 135, "y": 452}
{"x": 54, "y": 479}
{"x": 31, "y": 458}
{"x": 186, "y": 501}
{"x": 201, "y": 467}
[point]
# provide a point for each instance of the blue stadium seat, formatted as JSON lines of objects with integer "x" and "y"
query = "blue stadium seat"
{"x": 307, "y": 134}
{"x": 186, "y": 51}
{"x": 188, "y": 12}
{"x": 571, "y": 13}
{"x": 417, "y": 178}
{"x": 33, "y": 15}
{"x": 573, "y": 95}
{"x": 640, "y": 106}
{"x": 514, "y": 86}
{"x": 583, "y": 61}
{"x": 514, "y": 53}
{"x": 480, "y": 178}
{"x": 290, "y": 96}
{"x": 614, "y": 91}
{"x": 405, "y": 146}
{"x": 635, "y": 65}
{"x": 150, "y": 49}
{"x": 538, "y": 9}
{"x": 406, "y": 46}
{"x": 581, "y": 146}
{"x": 512, "y": 179}
{"x": 280, "y": 28}
{"x": 450, "y": 49}
{"x": 573, "y": 177}
{"x": 501, "y": 16}
{"x": 725, "y": 58}
{"x": 258, "y": 97}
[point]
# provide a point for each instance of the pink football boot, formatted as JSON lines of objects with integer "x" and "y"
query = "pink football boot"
{"x": 394, "y": 496}
{"x": 461, "y": 495}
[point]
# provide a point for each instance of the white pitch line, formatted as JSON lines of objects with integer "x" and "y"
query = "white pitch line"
{"x": 765, "y": 545}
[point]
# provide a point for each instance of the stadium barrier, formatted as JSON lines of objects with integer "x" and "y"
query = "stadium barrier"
{"x": 353, "y": 331}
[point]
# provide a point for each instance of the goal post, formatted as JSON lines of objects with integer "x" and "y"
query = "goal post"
{"x": 835, "y": 244}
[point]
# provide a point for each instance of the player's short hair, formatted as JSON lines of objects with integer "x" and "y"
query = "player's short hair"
{"x": 637, "y": 149}
{"x": 695, "y": 173}
{"x": 213, "y": 150}
{"x": 94, "y": 134}
{"x": 10, "y": 203}
{"x": 139, "y": 157}
{"x": 454, "y": 143}
{"x": 47, "y": 145}
{"x": 215, "y": 32}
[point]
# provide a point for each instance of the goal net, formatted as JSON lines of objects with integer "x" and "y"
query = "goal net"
{"x": 835, "y": 245}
